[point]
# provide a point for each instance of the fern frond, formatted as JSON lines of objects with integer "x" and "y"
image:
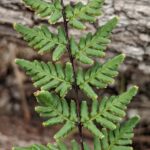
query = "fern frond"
{"x": 107, "y": 113}
{"x": 119, "y": 139}
{"x": 32, "y": 147}
{"x": 41, "y": 39}
{"x": 99, "y": 75}
{"x": 79, "y": 13}
{"x": 49, "y": 76}
{"x": 54, "y": 80}
{"x": 93, "y": 45}
{"x": 45, "y": 9}
{"x": 58, "y": 111}
{"x": 62, "y": 146}
{"x": 57, "y": 146}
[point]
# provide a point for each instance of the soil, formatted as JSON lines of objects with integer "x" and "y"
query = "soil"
{"x": 15, "y": 131}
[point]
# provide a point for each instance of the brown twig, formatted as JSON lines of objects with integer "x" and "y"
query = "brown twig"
{"x": 19, "y": 78}
{"x": 75, "y": 86}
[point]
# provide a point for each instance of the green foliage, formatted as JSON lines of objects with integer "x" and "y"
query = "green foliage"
{"x": 107, "y": 113}
{"x": 62, "y": 146}
{"x": 99, "y": 75}
{"x": 55, "y": 80}
{"x": 76, "y": 14}
{"x": 43, "y": 40}
{"x": 49, "y": 76}
{"x": 58, "y": 110}
{"x": 93, "y": 45}
{"x": 33, "y": 147}
{"x": 79, "y": 12}
{"x": 118, "y": 139}
{"x": 45, "y": 9}
{"x": 58, "y": 146}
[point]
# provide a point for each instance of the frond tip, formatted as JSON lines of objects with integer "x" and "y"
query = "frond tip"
{"x": 80, "y": 13}
{"x": 41, "y": 39}
{"x": 49, "y": 76}
{"x": 93, "y": 45}
{"x": 100, "y": 75}
{"x": 45, "y": 9}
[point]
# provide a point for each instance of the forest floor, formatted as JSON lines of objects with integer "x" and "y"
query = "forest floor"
{"x": 16, "y": 132}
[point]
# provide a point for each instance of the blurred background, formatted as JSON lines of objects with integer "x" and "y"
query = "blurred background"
{"x": 19, "y": 124}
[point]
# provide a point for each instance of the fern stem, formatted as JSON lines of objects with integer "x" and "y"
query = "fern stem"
{"x": 75, "y": 86}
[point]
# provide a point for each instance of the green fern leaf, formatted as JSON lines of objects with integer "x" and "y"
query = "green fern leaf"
{"x": 119, "y": 139}
{"x": 107, "y": 113}
{"x": 99, "y": 75}
{"x": 86, "y": 147}
{"x": 57, "y": 146}
{"x": 75, "y": 145}
{"x": 33, "y": 147}
{"x": 62, "y": 146}
{"x": 44, "y": 9}
{"x": 79, "y": 13}
{"x": 49, "y": 76}
{"x": 41, "y": 39}
{"x": 58, "y": 112}
{"x": 93, "y": 45}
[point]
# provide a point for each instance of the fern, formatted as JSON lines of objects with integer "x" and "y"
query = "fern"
{"x": 58, "y": 146}
{"x": 54, "y": 80}
{"x": 45, "y": 9}
{"x": 50, "y": 105}
{"x": 33, "y": 147}
{"x": 99, "y": 75}
{"x": 49, "y": 76}
{"x": 93, "y": 45}
{"x": 78, "y": 13}
{"x": 107, "y": 113}
{"x": 119, "y": 139}
{"x": 43, "y": 40}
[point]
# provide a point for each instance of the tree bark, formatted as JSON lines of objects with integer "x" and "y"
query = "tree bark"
{"x": 132, "y": 36}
